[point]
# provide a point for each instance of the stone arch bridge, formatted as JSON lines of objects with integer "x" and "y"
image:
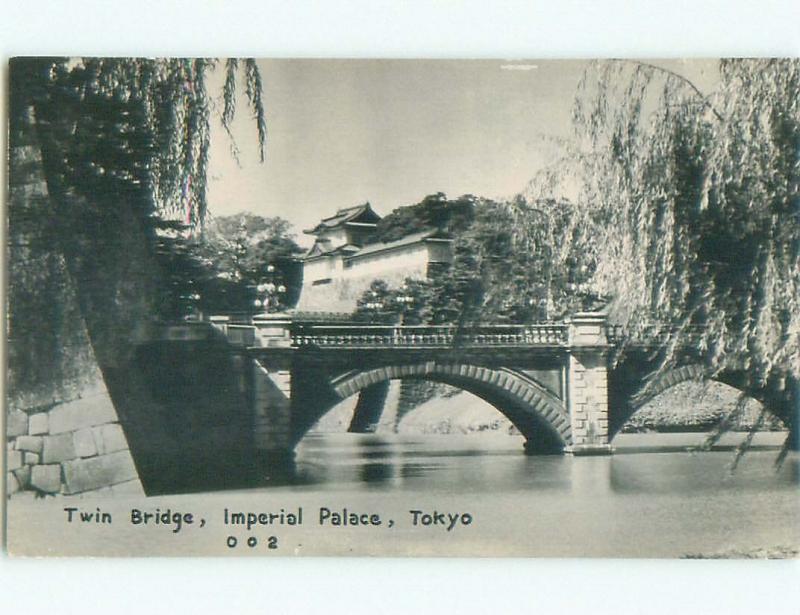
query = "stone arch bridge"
{"x": 550, "y": 380}
{"x": 553, "y": 381}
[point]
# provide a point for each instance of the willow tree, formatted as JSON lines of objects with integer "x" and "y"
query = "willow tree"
{"x": 123, "y": 146}
{"x": 692, "y": 201}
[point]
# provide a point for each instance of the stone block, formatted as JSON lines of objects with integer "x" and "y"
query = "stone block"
{"x": 30, "y": 459}
{"x": 96, "y": 472}
{"x": 85, "y": 412}
{"x": 23, "y": 476}
{"x": 47, "y": 478}
{"x": 29, "y": 443}
{"x": 14, "y": 460}
{"x": 16, "y": 424}
{"x": 84, "y": 443}
{"x": 97, "y": 434}
{"x": 58, "y": 448}
{"x": 109, "y": 438}
{"x": 11, "y": 483}
{"x": 38, "y": 424}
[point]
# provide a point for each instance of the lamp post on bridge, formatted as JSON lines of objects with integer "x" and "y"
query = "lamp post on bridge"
{"x": 388, "y": 307}
{"x": 406, "y": 301}
{"x": 269, "y": 292}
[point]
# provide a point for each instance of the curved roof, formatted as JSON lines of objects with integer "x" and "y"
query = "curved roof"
{"x": 360, "y": 214}
{"x": 422, "y": 236}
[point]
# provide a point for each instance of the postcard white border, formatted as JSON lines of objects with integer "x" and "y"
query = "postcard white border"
{"x": 377, "y": 28}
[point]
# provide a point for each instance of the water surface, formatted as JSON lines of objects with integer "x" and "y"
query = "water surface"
{"x": 655, "y": 496}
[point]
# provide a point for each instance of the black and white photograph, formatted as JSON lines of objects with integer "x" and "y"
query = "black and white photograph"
{"x": 403, "y": 307}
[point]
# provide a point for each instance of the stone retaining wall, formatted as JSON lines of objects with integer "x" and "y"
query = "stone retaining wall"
{"x": 73, "y": 448}
{"x": 62, "y": 432}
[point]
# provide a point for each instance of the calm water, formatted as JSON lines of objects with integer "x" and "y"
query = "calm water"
{"x": 489, "y": 463}
{"x": 652, "y": 498}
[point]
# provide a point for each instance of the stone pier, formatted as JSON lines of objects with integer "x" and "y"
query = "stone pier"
{"x": 272, "y": 387}
{"x": 587, "y": 385}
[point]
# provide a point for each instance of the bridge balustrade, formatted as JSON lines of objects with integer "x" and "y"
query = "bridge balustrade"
{"x": 417, "y": 336}
{"x": 652, "y": 334}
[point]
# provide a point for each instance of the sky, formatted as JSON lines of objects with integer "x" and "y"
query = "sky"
{"x": 342, "y": 132}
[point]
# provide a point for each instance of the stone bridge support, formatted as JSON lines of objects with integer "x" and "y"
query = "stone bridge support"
{"x": 272, "y": 406}
{"x": 587, "y": 385}
{"x": 369, "y": 408}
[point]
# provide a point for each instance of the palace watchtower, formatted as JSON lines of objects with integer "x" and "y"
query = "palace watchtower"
{"x": 346, "y": 257}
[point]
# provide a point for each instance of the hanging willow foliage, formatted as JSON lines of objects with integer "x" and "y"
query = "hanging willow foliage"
{"x": 691, "y": 203}
{"x": 171, "y": 98}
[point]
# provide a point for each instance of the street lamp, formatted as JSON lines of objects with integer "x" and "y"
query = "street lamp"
{"x": 374, "y": 305}
{"x": 190, "y": 306}
{"x": 269, "y": 292}
{"x": 405, "y": 301}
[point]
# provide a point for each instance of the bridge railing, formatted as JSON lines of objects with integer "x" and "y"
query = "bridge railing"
{"x": 652, "y": 334}
{"x": 382, "y": 336}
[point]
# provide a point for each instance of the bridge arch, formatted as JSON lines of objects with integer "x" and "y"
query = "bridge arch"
{"x": 666, "y": 381}
{"x": 673, "y": 377}
{"x": 536, "y": 412}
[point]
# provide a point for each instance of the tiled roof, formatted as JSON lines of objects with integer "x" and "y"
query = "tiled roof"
{"x": 343, "y": 216}
{"x": 404, "y": 241}
{"x": 318, "y": 250}
{"x": 353, "y": 251}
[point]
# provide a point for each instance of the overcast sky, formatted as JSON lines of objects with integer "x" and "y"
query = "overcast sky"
{"x": 342, "y": 132}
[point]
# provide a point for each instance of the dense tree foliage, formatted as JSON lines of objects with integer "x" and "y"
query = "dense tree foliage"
{"x": 451, "y": 216}
{"x": 243, "y": 245}
{"x": 693, "y": 202}
{"x": 409, "y": 304}
{"x": 243, "y": 251}
{"x": 134, "y": 123}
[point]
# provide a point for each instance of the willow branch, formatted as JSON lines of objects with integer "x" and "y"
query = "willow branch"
{"x": 681, "y": 78}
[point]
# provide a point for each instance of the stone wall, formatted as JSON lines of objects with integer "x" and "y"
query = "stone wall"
{"x": 414, "y": 393}
{"x": 62, "y": 431}
{"x": 71, "y": 448}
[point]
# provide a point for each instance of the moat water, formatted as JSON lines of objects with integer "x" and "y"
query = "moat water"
{"x": 487, "y": 463}
{"x": 654, "y": 496}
